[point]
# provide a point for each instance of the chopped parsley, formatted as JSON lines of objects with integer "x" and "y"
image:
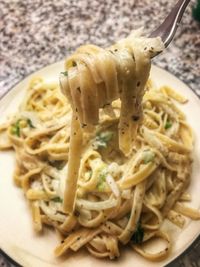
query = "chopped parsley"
{"x": 168, "y": 125}
{"x": 59, "y": 165}
{"x": 15, "y": 129}
{"x": 30, "y": 123}
{"x": 88, "y": 175}
{"x": 148, "y": 156}
{"x": 21, "y": 123}
{"x": 138, "y": 235}
{"x": 102, "y": 180}
{"x": 101, "y": 187}
{"x": 57, "y": 199}
{"x": 102, "y": 139}
{"x": 65, "y": 73}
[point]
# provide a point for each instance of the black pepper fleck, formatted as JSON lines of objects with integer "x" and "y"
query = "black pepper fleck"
{"x": 76, "y": 213}
{"x": 83, "y": 125}
{"x": 135, "y": 117}
{"x": 79, "y": 89}
{"x": 108, "y": 104}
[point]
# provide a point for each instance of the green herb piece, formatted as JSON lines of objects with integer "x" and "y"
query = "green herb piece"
{"x": 74, "y": 64}
{"x": 88, "y": 174}
{"x": 65, "y": 73}
{"x": 30, "y": 123}
{"x": 102, "y": 139}
{"x": 101, "y": 187}
{"x": 58, "y": 164}
{"x": 102, "y": 180}
{"x": 168, "y": 125}
{"x": 57, "y": 199}
{"x": 15, "y": 129}
{"x": 138, "y": 235}
{"x": 148, "y": 156}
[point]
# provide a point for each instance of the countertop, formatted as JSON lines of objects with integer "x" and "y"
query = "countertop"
{"x": 36, "y": 33}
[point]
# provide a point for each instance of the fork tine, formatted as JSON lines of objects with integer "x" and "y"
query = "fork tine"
{"x": 169, "y": 26}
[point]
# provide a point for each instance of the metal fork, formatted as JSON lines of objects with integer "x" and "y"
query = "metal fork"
{"x": 169, "y": 26}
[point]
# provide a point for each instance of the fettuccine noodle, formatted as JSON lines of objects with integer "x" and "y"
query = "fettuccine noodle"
{"x": 119, "y": 190}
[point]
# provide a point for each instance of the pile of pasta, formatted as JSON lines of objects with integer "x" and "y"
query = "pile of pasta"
{"x": 120, "y": 200}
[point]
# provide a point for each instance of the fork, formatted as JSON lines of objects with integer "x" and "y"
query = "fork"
{"x": 168, "y": 28}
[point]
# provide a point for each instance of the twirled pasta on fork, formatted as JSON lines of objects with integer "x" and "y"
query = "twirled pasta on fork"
{"x": 93, "y": 79}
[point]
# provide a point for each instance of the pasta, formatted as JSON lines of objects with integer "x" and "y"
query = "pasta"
{"x": 119, "y": 199}
{"x": 118, "y": 177}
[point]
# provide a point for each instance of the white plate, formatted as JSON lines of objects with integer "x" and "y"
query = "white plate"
{"x": 17, "y": 238}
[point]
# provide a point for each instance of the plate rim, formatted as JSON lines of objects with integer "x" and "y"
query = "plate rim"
{"x": 196, "y": 239}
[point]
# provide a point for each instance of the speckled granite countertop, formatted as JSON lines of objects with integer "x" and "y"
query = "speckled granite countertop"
{"x": 36, "y": 33}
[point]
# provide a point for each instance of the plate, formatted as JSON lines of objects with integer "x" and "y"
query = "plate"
{"x": 22, "y": 244}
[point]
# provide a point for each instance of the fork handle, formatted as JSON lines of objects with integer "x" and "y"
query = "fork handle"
{"x": 168, "y": 28}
